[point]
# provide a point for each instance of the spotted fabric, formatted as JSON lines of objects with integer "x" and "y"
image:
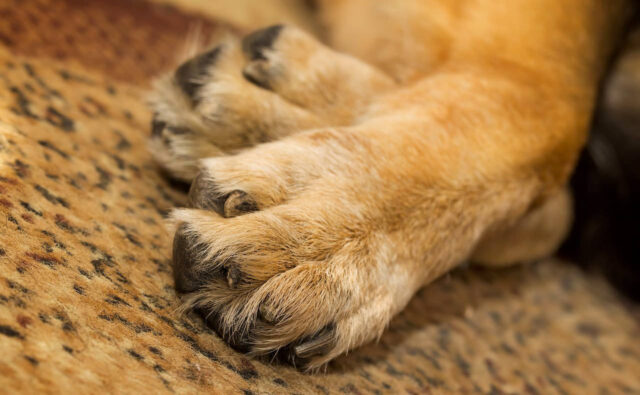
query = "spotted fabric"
{"x": 86, "y": 295}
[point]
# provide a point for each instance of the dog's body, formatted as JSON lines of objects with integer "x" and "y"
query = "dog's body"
{"x": 450, "y": 139}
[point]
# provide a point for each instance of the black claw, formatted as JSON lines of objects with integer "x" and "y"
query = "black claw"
{"x": 318, "y": 344}
{"x": 238, "y": 341}
{"x": 190, "y": 75}
{"x": 157, "y": 127}
{"x": 239, "y": 202}
{"x": 203, "y": 195}
{"x": 300, "y": 353}
{"x": 179, "y": 130}
{"x": 184, "y": 258}
{"x": 260, "y": 81}
{"x": 255, "y": 43}
{"x": 233, "y": 276}
{"x": 267, "y": 314}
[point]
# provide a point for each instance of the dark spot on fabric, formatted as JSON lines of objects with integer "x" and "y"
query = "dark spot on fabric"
{"x": 280, "y": 382}
{"x": 67, "y": 325}
{"x": 133, "y": 239}
{"x": 158, "y": 368}
{"x": 67, "y": 349}
{"x": 123, "y": 144}
{"x": 16, "y": 286}
{"x": 23, "y": 103}
{"x": 246, "y": 370}
{"x": 59, "y": 120}
{"x": 13, "y": 220}
{"x": 51, "y": 197}
{"x": 196, "y": 347}
{"x": 23, "y": 320}
{"x": 349, "y": 389}
{"x": 32, "y": 73}
{"x": 135, "y": 355}
{"x": 105, "y": 178}
{"x": 63, "y": 223}
{"x": 8, "y": 180}
{"x": 434, "y": 382}
{"x": 156, "y": 351}
{"x": 10, "y": 332}
{"x": 120, "y": 277}
{"x": 32, "y": 360}
{"x": 92, "y": 107}
{"x": 67, "y": 75}
{"x": 20, "y": 168}
{"x": 119, "y": 161}
{"x": 79, "y": 290}
{"x": 137, "y": 328}
{"x": 49, "y": 145}
{"x": 45, "y": 260}
{"x": 507, "y": 348}
{"x": 464, "y": 365}
{"x": 116, "y": 300}
{"x": 588, "y": 329}
{"x": 28, "y": 207}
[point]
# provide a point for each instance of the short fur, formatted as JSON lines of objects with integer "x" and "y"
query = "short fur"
{"x": 439, "y": 128}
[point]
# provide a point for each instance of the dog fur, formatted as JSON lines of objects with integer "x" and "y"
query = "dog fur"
{"x": 332, "y": 182}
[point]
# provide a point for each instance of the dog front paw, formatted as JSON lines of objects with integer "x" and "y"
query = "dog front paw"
{"x": 281, "y": 258}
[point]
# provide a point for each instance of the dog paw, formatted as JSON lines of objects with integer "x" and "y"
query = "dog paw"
{"x": 275, "y": 82}
{"x": 281, "y": 257}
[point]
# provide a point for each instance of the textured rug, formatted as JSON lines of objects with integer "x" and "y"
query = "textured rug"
{"x": 86, "y": 295}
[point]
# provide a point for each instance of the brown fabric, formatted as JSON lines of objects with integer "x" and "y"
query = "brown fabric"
{"x": 128, "y": 40}
{"x": 86, "y": 295}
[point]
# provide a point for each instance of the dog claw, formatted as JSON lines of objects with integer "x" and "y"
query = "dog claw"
{"x": 237, "y": 203}
{"x": 233, "y": 276}
{"x": 319, "y": 344}
{"x": 267, "y": 314}
{"x": 202, "y": 195}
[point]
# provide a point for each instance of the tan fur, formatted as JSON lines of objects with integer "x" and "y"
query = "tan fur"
{"x": 384, "y": 182}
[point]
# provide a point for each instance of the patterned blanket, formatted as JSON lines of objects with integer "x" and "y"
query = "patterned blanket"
{"x": 86, "y": 294}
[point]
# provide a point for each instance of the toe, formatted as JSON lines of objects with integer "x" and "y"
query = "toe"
{"x": 255, "y": 44}
{"x": 157, "y": 126}
{"x": 184, "y": 258}
{"x": 239, "y": 202}
{"x": 204, "y": 195}
{"x": 191, "y": 75}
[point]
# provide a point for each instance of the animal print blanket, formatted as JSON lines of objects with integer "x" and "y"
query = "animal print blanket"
{"x": 86, "y": 295}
